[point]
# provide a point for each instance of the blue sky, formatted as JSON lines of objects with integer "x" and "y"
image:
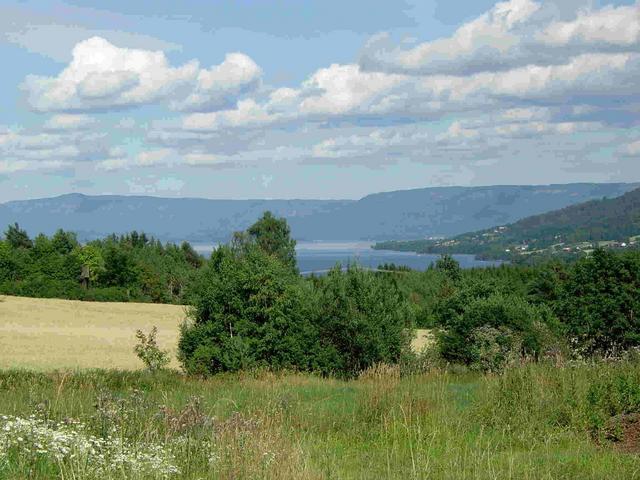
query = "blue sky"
{"x": 315, "y": 99}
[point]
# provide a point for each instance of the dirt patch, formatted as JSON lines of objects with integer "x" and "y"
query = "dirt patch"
{"x": 623, "y": 431}
{"x": 422, "y": 339}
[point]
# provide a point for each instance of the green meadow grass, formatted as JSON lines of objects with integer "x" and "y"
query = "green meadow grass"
{"x": 531, "y": 423}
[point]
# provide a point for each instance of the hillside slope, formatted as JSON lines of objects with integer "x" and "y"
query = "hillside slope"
{"x": 578, "y": 227}
{"x": 441, "y": 211}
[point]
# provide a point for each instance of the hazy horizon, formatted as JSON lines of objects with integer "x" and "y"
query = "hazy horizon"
{"x": 354, "y": 199}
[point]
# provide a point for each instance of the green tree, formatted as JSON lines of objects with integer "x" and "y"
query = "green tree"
{"x": 249, "y": 309}
{"x": 363, "y": 318}
{"x": 599, "y": 302}
{"x": 64, "y": 242}
{"x": 449, "y": 266}
{"x": 273, "y": 236}
{"x": 17, "y": 237}
{"x": 481, "y": 317}
{"x": 90, "y": 256}
{"x": 192, "y": 257}
{"x": 8, "y": 266}
{"x": 119, "y": 267}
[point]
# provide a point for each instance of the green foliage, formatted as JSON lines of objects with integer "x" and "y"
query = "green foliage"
{"x": 249, "y": 310}
{"x": 599, "y": 302}
{"x": 273, "y": 236}
{"x": 252, "y": 309}
{"x": 148, "y": 351}
{"x": 131, "y": 267}
{"x": 64, "y": 242}
{"x": 483, "y": 326}
{"x": 17, "y": 237}
{"x": 91, "y": 257}
{"x": 449, "y": 266}
{"x": 364, "y": 319}
{"x": 8, "y": 267}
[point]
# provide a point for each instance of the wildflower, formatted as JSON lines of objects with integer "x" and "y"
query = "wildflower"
{"x": 33, "y": 436}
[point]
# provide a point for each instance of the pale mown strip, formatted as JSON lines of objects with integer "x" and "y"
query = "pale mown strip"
{"x": 47, "y": 334}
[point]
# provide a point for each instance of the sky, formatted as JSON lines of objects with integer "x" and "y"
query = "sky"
{"x": 316, "y": 99}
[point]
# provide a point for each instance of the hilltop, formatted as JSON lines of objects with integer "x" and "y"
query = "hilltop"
{"x": 406, "y": 214}
{"x": 608, "y": 222}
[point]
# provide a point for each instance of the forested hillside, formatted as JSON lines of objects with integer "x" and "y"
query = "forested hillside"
{"x": 406, "y": 214}
{"x": 611, "y": 222}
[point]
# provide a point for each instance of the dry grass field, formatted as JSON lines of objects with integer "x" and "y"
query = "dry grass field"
{"x": 46, "y": 334}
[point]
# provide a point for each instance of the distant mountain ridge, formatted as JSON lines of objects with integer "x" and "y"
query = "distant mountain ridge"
{"x": 405, "y": 214}
{"x": 576, "y": 228}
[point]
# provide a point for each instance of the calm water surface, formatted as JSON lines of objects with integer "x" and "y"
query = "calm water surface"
{"x": 319, "y": 256}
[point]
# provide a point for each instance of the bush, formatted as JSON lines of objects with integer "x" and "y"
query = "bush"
{"x": 493, "y": 348}
{"x": 364, "y": 319}
{"x": 249, "y": 310}
{"x": 613, "y": 398}
{"x": 485, "y": 328}
{"x": 148, "y": 351}
{"x": 599, "y": 303}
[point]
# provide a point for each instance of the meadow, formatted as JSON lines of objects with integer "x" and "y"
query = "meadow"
{"x": 75, "y": 403}
{"x": 45, "y": 334}
{"x": 531, "y": 423}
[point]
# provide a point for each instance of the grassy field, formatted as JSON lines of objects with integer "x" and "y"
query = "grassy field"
{"x": 47, "y": 334}
{"x": 530, "y": 424}
{"x": 534, "y": 422}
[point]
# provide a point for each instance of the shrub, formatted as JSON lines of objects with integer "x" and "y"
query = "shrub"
{"x": 599, "y": 303}
{"x": 252, "y": 310}
{"x": 485, "y": 328}
{"x": 493, "y": 348}
{"x": 364, "y": 319}
{"x": 148, "y": 351}
{"x": 249, "y": 310}
{"x": 613, "y": 397}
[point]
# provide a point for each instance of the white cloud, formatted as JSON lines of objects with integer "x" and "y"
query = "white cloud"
{"x": 247, "y": 156}
{"x": 65, "y": 144}
{"x": 199, "y": 158}
{"x": 345, "y": 92}
{"x": 246, "y": 114}
{"x": 13, "y": 166}
{"x": 609, "y": 27}
{"x": 151, "y": 184}
{"x": 632, "y": 149}
{"x": 152, "y": 158}
{"x": 54, "y": 34}
{"x": 343, "y": 89}
{"x": 69, "y": 122}
{"x": 514, "y": 33}
{"x": 520, "y": 75}
{"x": 113, "y": 164}
{"x": 104, "y": 76}
{"x": 126, "y": 123}
{"x": 223, "y": 83}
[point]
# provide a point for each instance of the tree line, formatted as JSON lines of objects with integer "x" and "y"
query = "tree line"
{"x": 131, "y": 267}
{"x": 249, "y": 307}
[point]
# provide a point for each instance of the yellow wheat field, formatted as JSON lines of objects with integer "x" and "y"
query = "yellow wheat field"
{"x": 45, "y": 334}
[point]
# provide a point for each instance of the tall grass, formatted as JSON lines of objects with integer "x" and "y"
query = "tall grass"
{"x": 533, "y": 422}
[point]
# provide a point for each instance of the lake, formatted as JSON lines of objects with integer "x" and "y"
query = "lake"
{"x": 321, "y": 256}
